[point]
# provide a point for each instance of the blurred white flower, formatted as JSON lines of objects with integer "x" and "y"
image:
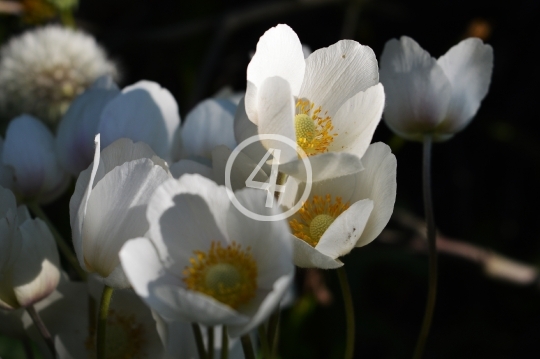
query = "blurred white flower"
{"x": 329, "y": 103}
{"x": 29, "y": 261}
{"x": 108, "y": 206}
{"x": 345, "y": 212}
{"x": 42, "y": 70}
{"x": 29, "y": 153}
{"x": 434, "y": 97}
{"x": 206, "y": 262}
{"x": 143, "y": 112}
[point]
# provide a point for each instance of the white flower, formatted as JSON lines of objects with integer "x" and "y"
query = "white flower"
{"x": 329, "y": 103}
{"x": 108, "y": 206}
{"x": 29, "y": 261}
{"x": 434, "y": 97}
{"x": 208, "y": 125}
{"x": 206, "y": 262}
{"x": 143, "y": 112}
{"x": 42, "y": 70}
{"x": 345, "y": 212}
{"x": 29, "y": 152}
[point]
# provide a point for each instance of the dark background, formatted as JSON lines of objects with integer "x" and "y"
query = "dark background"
{"x": 485, "y": 180}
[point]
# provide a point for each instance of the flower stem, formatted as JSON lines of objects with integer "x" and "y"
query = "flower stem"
{"x": 210, "y": 332}
{"x": 247, "y": 346}
{"x": 42, "y": 329}
{"x": 432, "y": 246}
{"x": 199, "y": 340}
{"x": 60, "y": 242}
{"x": 66, "y": 16}
{"x": 263, "y": 336}
{"x": 224, "y": 343}
{"x": 273, "y": 332}
{"x": 27, "y": 346}
{"x": 349, "y": 311}
{"x": 102, "y": 321}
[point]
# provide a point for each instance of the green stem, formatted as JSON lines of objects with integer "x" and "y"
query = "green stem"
{"x": 102, "y": 321}
{"x": 247, "y": 346}
{"x": 60, "y": 242}
{"x": 432, "y": 246}
{"x": 210, "y": 332}
{"x": 42, "y": 329}
{"x": 263, "y": 336}
{"x": 349, "y": 311}
{"x": 273, "y": 332}
{"x": 224, "y": 343}
{"x": 199, "y": 340}
{"x": 66, "y": 16}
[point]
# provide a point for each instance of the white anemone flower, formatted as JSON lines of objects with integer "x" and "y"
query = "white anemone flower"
{"x": 42, "y": 70}
{"x": 205, "y": 261}
{"x": 29, "y": 152}
{"x": 108, "y": 206}
{"x": 329, "y": 103}
{"x": 29, "y": 261}
{"x": 437, "y": 97}
{"x": 345, "y": 212}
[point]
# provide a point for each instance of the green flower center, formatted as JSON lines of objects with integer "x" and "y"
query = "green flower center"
{"x": 319, "y": 225}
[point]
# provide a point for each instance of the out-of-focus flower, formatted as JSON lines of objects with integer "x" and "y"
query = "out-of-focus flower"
{"x": 206, "y": 262}
{"x": 143, "y": 112}
{"x": 43, "y": 70}
{"x": 29, "y": 262}
{"x": 29, "y": 153}
{"x": 108, "y": 206}
{"x": 433, "y": 97}
{"x": 345, "y": 212}
{"x": 207, "y": 126}
{"x": 329, "y": 103}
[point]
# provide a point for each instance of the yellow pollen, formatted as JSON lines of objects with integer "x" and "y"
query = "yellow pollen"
{"x": 125, "y": 338}
{"x": 315, "y": 216}
{"x": 312, "y": 131}
{"x": 228, "y": 275}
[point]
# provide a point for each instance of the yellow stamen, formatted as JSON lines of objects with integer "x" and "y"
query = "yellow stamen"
{"x": 229, "y": 274}
{"x": 315, "y": 216}
{"x": 312, "y": 131}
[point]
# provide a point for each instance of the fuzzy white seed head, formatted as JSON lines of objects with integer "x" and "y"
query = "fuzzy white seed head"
{"x": 43, "y": 70}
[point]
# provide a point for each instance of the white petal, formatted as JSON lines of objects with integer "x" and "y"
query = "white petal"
{"x": 344, "y": 232}
{"x": 276, "y": 115}
{"x": 78, "y": 127}
{"x": 269, "y": 240}
{"x": 324, "y": 166}
{"x": 305, "y": 256}
{"x": 336, "y": 73}
{"x": 186, "y": 215}
{"x": 7, "y": 202}
{"x": 356, "y": 121}
{"x": 116, "y": 212}
{"x": 279, "y": 53}
{"x": 37, "y": 270}
{"x": 378, "y": 183}
{"x": 183, "y": 167}
{"x": 143, "y": 112}
{"x": 468, "y": 66}
{"x": 29, "y": 150}
{"x": 417, "y": 90}
{"x": 208, "y": 125}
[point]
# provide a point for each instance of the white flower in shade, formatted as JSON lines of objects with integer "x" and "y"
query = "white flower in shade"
{"x": 29, "y": 261}
{"x": 208, "y": 125}
{"x": 329, "y": 103}
{"x": 433, "y": 97}
{"x": 346, "y": 212}
{"x": 108, "y": 206}
{"x": 206, "y": 262}
{"x": 42, "y": 70}
{"x": 29, "y": 153}
{"x": 78, "y": 127}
